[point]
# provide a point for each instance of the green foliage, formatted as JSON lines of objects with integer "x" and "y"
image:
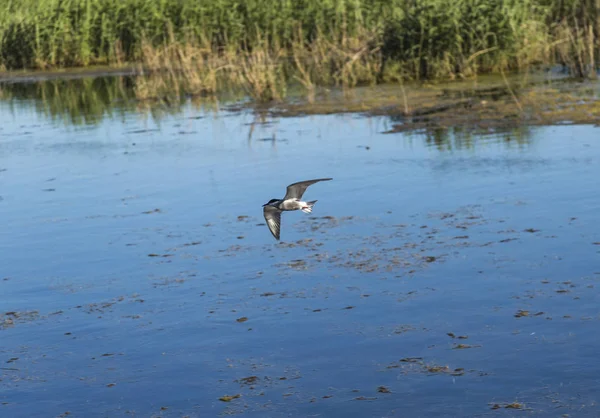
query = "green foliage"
{"x": 414, "y": 38}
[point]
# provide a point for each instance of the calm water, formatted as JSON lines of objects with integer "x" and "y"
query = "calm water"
{"x": 138, "y": 278}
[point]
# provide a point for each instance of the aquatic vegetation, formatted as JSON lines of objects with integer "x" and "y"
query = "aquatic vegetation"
{"x": 512, "y": 405}
{"x": 264, "y": 44}
{"x": 451, "y": 115}
{"x": 9, "y": 319}
{"x": 229, "y": 398}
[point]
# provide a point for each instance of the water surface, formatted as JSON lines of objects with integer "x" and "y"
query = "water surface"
{"x": 440, "y": 274}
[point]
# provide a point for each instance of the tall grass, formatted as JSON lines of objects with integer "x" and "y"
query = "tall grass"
{"x": 264, "y": 43}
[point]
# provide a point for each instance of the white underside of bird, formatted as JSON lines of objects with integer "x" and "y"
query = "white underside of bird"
{"x": 296, "y": 204}
{"x": 275, "y": 207}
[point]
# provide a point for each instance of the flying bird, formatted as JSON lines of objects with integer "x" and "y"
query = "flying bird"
{"x": 291, "y": 201}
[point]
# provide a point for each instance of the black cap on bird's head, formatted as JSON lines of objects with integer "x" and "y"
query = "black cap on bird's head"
{"x": 271, "y": 201}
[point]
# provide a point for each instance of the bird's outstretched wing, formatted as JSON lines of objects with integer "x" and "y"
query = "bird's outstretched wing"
{"x": 296, "y": 190}
{"x": 273, "y": 218}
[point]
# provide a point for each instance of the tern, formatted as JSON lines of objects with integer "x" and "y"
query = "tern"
{"x": 291, "y": 201}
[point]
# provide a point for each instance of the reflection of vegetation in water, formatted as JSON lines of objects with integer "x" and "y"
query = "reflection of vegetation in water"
{"x": 80, "y": 101}
{"x": 460, "y": 137}
{"x": 450, "y": 115}
{"x": 89, "y": 100}
{"x": 263, "y": 44}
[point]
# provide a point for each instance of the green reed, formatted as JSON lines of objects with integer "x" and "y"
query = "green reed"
{"x": 314, "y": 42}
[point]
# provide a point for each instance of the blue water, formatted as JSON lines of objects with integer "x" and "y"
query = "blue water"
{"x": 131, "y": 247}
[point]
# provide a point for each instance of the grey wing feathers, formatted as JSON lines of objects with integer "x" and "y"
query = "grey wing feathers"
{"x": 273, "y": 218}
{"x": 296, "y": 190}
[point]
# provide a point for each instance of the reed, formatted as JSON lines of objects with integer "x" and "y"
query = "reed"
{"x": 262, "y": 45}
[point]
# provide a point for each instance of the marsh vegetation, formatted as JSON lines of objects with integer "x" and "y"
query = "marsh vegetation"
{"x": 479, "y": 105}
{"x": 263, "y": 46}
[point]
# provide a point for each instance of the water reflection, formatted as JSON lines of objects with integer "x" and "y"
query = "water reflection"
{"x": 89, "y": 101}
{"x": 74, "y": 102}
{"x": 136, "y": 253}
{"x": 460, "y": 137}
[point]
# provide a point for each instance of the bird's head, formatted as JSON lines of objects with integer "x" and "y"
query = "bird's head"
{"x": 270, "y": 202}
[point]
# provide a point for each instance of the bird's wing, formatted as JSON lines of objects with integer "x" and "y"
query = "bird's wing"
{"x": 273, "y": 218}
{"x": 296, "y": 190}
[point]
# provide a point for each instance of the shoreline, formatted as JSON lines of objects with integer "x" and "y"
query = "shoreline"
{"x": 32, "y": 76}
{"x": 482, "y": 103}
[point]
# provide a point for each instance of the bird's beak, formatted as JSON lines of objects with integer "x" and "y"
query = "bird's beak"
{"x": 265, "y": 205}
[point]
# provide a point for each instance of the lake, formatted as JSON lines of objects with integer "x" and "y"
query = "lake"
{"x": 441, "y": 273}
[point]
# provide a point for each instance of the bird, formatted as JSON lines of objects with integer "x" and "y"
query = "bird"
{"x": 291, "y": 201}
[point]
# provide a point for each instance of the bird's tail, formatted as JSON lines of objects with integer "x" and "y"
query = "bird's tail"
{"x": 309, "y": 206}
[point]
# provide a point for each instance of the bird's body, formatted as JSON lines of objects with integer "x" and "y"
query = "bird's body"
{"x": 272, "y": 210}
{"x": 296, "y": 204}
